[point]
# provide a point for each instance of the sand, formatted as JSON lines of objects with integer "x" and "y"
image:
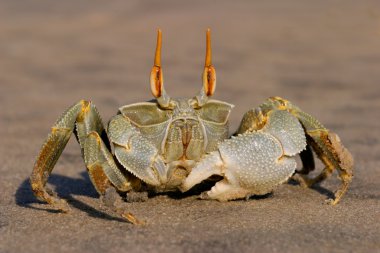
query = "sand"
{"x": 324, "y": 56}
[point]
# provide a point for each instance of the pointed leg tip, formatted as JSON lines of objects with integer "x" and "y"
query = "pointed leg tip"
{"x": 61, "y": 205}
{"x": 65, "y": 209}
{"x": 331, "y": 201}
{"x": 132, "y": 219}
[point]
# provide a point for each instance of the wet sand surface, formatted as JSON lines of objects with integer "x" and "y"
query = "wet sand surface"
{"x": 322, "y": 55}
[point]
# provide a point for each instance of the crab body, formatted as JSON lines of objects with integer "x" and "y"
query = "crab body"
{"x": 175, "y": 138}
{"x": 169, "y": 144}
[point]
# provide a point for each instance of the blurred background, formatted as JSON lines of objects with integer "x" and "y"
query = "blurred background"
{"x": 324, "y": 56}
{"x": 54, "y": 53}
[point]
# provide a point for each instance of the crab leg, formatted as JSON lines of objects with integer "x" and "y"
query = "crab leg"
{"x": 101, "y": 165}
{"x": 325, "y": 143}
{"x": 333, "y": 154}
{"x": 87, "y": 120}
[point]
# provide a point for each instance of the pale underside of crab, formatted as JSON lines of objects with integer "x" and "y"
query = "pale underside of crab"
{"x": 173, "y": 144}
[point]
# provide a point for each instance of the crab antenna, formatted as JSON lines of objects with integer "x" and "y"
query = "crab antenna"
{"x": 156, "y": 76}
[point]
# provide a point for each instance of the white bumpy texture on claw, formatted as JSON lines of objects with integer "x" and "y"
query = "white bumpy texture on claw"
{"x": 288, "y": 130}
{"x": 252, "y": 163}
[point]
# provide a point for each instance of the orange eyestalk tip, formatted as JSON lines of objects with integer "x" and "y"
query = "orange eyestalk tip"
{"x": 208, "y": 48}
{"x": 209, "y": 75}
{"x": 156, "y": 76}
{"x": 157, "y": 58}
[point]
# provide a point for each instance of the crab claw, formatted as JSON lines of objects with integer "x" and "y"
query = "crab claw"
{"x": 253, "y": 163}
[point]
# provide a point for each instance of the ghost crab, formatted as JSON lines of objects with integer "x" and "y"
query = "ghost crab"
{"x": 170, "y": 144}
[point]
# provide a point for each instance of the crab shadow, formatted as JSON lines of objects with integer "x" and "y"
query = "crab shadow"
{"x": 65, "y": 187}
{"x": 317, "y": 187}
{"x": 198, "y": 189}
